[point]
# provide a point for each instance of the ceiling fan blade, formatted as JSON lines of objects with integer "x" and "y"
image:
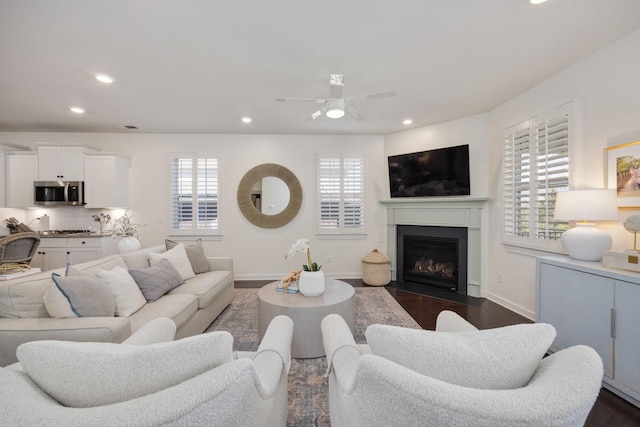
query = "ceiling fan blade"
{"x": 354, "y": 113}
{"x": 315, "y": 115}
{"x": 316, "y": 100}
{"x": 375, "y": 95}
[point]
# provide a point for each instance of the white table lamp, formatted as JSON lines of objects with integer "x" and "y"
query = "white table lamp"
{"x": 585, "y": 241}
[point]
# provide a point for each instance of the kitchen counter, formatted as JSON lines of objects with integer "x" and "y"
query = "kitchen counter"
{"x": 80, "y": 234}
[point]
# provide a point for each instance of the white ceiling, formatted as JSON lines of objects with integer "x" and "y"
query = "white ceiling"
{"x": 198, "y": 66}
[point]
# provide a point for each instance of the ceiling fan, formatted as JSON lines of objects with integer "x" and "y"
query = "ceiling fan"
{"x": 336, "y": 105}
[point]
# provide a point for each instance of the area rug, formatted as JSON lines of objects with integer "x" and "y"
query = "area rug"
{"x": 308, "y": 389}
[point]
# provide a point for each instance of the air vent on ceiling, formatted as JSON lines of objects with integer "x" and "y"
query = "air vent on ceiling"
{"x": 131, "y": 127}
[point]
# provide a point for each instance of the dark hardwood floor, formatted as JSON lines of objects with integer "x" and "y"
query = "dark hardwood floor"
{"x": 609, "y": 410}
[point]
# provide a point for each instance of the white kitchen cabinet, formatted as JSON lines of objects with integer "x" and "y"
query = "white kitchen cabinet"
{"x": 61, "y": 163}
{"x": 51, "y": 254}
{"x": 106, "y": 181}
{"x": 57, "y": 252}
{"x": 597, "y": 306}
{"x": 21, "y": 171}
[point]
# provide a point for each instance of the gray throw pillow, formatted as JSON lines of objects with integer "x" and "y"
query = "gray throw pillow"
{"x": 88, "y": 296}
{"x": 195, "y": 253}
{"x": 157, "y": 280}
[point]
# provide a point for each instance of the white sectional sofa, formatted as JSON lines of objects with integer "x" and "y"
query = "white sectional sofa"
{"x": 192, "y": 305}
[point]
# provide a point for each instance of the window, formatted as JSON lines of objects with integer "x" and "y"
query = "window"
{"x": 341, "y": 193}
{"x": 194, "y": 194}
{"x": 536, "y": 167}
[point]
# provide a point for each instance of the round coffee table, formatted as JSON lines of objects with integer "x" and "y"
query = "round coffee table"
{"x": 306, "y": 313}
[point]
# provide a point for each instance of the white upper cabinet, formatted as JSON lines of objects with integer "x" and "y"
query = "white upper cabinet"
{"x": 21, "y": 171}
{"x": 106, "y": 183}
{"x": 61, "y": 163}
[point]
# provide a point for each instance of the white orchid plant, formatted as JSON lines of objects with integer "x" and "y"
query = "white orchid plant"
{"x": 301, "y": 246}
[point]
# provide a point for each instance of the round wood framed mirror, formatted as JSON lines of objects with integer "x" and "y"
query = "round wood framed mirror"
{"x": 258, "y": 214}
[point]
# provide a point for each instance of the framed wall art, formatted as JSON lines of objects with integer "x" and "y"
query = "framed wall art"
{"x": 622, "y": 172}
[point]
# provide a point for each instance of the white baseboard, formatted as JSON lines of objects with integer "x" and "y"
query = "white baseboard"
{"x": 240, "y": 277}
{"x": 511, "y": 306}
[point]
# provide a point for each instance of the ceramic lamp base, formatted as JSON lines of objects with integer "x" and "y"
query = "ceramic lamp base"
{"x": 311, "y": 283}
{"x": 586, "y": 242}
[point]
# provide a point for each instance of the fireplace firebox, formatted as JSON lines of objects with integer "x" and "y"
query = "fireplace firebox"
{"x": 432, "y": 256}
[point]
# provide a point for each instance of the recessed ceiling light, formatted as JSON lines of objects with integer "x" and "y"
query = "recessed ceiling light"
{"x": 537, "y": 1}
{"x": 103, "y": 78}
{"x": 407, "y": 121}
{"x": 77, "y": 110}
{"x": 246, "y": 120}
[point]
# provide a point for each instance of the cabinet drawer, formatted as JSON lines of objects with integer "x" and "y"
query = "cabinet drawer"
{"x": 78, "y": 242}
{"x": 53, "y": 242}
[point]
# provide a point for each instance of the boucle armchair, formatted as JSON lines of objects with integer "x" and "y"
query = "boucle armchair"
{"x": 250, "y": 389}
{"x": 366, "y": 388}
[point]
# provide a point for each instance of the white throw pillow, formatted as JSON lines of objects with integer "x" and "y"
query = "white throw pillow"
{"x": 129, "y": 298}
{"x": 497, "y": 359}
{"x": 178, "y": 259}
{"x": 86, "y": 374}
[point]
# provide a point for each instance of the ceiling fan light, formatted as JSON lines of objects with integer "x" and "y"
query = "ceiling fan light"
{"x": 335, "y": 113}
{"x": 335, "y": 108}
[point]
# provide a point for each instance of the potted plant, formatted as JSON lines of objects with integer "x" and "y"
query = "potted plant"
{"x": 127, "y": 233}
{"x": 311, "y": 282}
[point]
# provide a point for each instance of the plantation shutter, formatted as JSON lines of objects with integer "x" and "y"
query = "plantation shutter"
{"x": 536, "y": 166}
{"x": 194, "y": 193}
{"x": 516, "y": 181}
{"x": 341, "y": 193}
{"x": 552, "y": 173}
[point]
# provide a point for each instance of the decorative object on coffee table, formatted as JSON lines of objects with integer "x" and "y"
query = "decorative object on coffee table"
{"x": 311, "y": 283}
{"x": 376, "y": 269}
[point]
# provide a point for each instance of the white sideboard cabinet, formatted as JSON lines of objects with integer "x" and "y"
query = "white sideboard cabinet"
{"x": 597, "y": 306}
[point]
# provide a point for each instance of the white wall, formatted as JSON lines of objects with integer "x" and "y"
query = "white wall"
{"x": 258, "y": 253}
{"x": 607, "y": 87}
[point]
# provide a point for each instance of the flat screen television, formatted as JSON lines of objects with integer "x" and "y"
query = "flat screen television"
{"x": 432, "y": 173}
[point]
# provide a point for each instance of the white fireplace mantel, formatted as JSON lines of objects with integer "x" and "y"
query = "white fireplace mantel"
{"x": 469, "y": 212}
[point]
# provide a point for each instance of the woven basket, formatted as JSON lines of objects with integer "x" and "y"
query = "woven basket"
{"x": 376, "y": 269}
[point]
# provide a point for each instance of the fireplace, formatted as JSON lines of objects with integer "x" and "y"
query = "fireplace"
{"x": 432, "y": 256}
{"x": 469, "y": 213}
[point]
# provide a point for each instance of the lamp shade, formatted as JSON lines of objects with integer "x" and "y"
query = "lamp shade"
{"x": 585, "y": 241}
{"x": 586, "y": 205}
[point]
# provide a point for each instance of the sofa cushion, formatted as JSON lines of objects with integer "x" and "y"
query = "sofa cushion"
{"x": 128, "y": 296}
{"x": 140, "y": 258}
{"x": 106, "y": 263}
{"x": 178, "y": 308}
{"x": 206, "y": 286}
{"x": 178, "y": 259}
{"x": 92, "y": 374}
{"x": 195, "y": 253}
{"x": 23, "y": 298}
{"x": 501, "y": 358}
{"x": 157, "y": 280}
{"x": 86, "y": 296}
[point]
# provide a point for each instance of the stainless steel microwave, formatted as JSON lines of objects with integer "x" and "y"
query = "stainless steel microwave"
{"x": 58, "y": 193}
